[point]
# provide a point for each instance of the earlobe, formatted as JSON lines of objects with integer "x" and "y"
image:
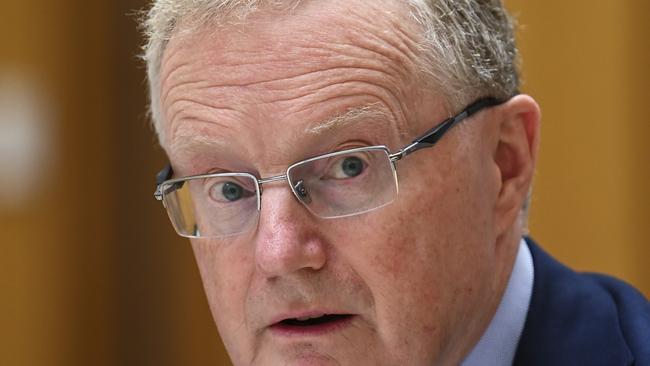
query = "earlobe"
{"x": 515, "y": 157}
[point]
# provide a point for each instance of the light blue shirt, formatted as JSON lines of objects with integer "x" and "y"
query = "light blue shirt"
{"x": 498, "y": 344}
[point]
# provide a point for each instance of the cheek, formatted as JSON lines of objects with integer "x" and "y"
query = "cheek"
{"x": 404, "y": 278}
{"x": 225, "y": 272}
{"x": 415, "y": 255}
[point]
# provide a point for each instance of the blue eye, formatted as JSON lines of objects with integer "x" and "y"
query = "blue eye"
{"x": 232, "y": 191}
{"x": 352, "y": 166}
{"x": 347, "y": 167}
{"x": 226, "y": 192}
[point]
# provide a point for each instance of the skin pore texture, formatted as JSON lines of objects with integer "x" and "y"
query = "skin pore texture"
{"x": 422, "y": 276}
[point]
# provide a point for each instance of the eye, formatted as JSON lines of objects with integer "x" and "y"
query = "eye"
{"x": 232, "y": 191}
{"x": 229, "y": 192}
{"x": 348, "y": 167}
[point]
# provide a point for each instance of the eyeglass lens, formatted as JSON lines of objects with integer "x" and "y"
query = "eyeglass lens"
{"x": 350, "y": 183}
{"x": 215, "y": 206}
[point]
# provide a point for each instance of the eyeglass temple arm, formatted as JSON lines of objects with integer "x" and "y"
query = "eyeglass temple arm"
{"x": 165, "y": 174}
{"x": 432, "y": 136}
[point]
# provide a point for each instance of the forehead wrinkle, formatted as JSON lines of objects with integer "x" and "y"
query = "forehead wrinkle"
{"x": 180, "y": 85}
{"x": 408, "y": 43}
{"x": 181, "y": 135}
{"x": 179, "y": 112}
{"x": 390, "y": 47}
{"x": 200, "y": 112}
{"x": 384, "y": 45}
{"x": 169, "y": 68}
{"x": 299, "y": 60}
{"x": 377, "y": 55}
{"x": 289, "y": 69}
{"x": 330, "y": 86}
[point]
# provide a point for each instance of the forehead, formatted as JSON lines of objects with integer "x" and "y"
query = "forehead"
{"x": 307, "y": 71}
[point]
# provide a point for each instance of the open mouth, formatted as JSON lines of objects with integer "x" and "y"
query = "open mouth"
{"x": 307, "y": 322}
{"x": 312, "y": 325}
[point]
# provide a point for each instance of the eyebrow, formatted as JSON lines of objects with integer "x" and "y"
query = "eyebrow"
{"x": 350, "y": 117}
{"x": 184, "y": 142}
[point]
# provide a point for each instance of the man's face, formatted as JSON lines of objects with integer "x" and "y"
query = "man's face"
{"x": 411, "y": 283}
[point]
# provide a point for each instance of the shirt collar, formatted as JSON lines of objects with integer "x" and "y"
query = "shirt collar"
{"x": 498, "y": 344}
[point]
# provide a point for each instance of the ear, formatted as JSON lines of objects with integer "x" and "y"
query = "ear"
{"x": 515, "y": 156}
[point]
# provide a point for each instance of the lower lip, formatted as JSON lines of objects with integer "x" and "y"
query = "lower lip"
{"x": 311, "y": 330}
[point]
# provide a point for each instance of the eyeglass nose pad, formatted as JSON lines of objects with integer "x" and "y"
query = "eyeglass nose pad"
{"x": 302, "y": 192}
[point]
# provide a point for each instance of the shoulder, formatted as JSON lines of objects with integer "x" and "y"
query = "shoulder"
{"x": 578, "y": 318}
{"x": 633, "y": 311}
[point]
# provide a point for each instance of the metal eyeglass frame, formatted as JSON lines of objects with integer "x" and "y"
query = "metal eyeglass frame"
{"x": 426, "y": 140}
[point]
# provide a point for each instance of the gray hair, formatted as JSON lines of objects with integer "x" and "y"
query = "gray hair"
{"x": 468, "y": 46}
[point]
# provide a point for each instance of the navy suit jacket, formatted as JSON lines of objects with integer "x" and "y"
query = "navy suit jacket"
{"x": 582, "y": 319}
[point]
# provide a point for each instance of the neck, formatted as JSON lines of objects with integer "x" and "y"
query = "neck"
{"x": 505, "y": 252}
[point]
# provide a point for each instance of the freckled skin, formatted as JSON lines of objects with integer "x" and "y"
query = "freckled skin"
{"x": 424, "y": 274}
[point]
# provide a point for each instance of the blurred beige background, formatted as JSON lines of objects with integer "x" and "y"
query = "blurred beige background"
{"x": 91, "y": 273}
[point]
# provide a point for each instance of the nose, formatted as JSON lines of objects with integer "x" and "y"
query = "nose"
{"x": 287, "y": 239}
